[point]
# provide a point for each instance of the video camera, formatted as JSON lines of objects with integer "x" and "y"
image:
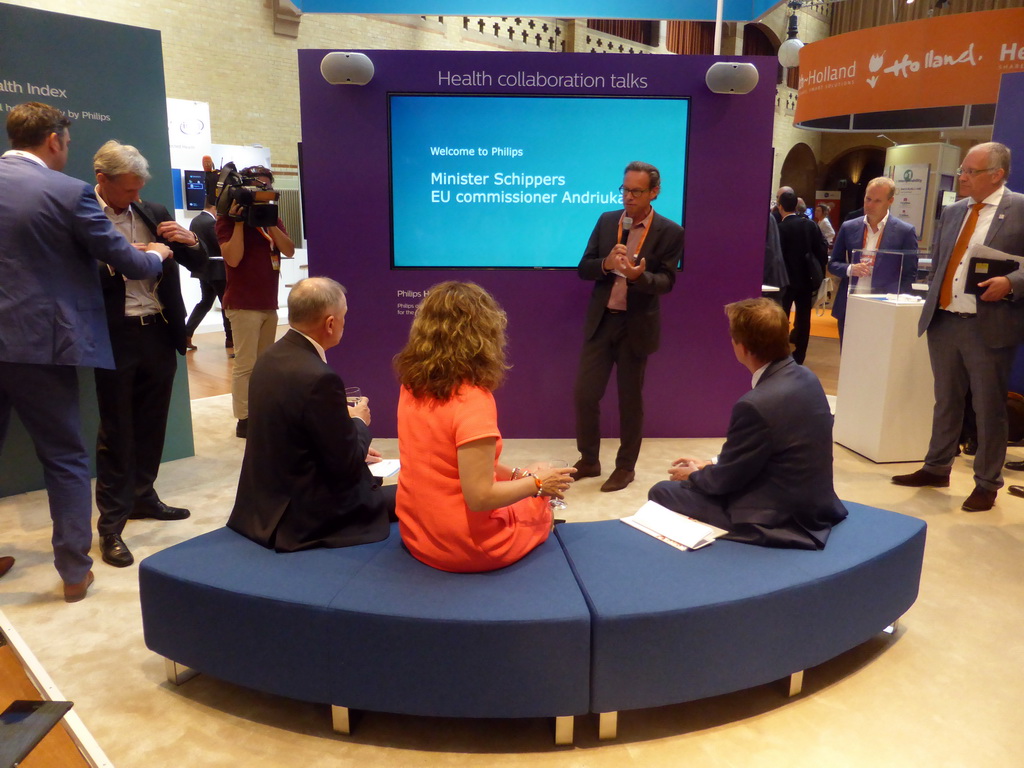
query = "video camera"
{"x": 258, "y": 203}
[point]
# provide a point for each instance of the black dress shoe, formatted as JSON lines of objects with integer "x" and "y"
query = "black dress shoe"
{"x": 1016, "y": 466}
{"x": 583, "y": 469}
{"x": 980, "y": 500}
{"x": 970, "y": 447}
{"x": 6, "y": 563}
{"x": 921, "y": 479}
{"x": 115, "y": 551}
{"x": 1016, "y": 490}
{"x": 160, "y": 512}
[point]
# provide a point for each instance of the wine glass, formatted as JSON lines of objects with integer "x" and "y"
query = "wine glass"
{"x": 554, "y": 503}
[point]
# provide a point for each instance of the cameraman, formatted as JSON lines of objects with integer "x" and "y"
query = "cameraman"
{"x": 252, "y": 260}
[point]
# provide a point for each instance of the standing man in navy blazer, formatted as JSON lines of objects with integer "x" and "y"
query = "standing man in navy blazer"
{"x": 876, "y": 230}
{"x": 146, "y": 319}
{"x": 772, "y": 483}
{"x": 632, "y": 257}
{"x": 52, "y": 232}
{"x": 972, "y": 339}
{"x": 304, "y": 480}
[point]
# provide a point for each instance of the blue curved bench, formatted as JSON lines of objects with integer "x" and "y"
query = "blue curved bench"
{"x": 600, "y": 618}
{"x": 670, "y": 627}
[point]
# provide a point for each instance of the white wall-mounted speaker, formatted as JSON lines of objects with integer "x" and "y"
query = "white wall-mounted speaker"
{"x": 342, "y": 68}
{"x": 731, "y": 77}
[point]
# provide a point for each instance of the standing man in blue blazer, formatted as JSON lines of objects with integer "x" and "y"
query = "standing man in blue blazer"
{"x": 52, "y": 233}
{"x": 875, "y": 231}
{"x": 972, "y": 338}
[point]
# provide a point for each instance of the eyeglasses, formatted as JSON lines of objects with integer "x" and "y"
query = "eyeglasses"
{"x": 973, "y": 171}
{"x": 633, "y": 192}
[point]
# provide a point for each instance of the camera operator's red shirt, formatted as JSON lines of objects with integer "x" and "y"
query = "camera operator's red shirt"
{"x": 253, "y": 283}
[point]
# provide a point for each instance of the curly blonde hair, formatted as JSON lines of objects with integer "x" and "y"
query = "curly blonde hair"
{"x": 457, "y": 337}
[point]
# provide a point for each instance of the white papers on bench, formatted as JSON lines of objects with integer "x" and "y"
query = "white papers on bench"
{"x": 385, "y": 467}
{"x": 677, "y": 530}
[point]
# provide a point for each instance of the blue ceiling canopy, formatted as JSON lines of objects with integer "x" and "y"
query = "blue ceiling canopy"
{"x": 690, "y": 10}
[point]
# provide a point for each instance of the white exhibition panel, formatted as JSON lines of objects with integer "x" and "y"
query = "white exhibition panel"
{"x": 885, "y": 398}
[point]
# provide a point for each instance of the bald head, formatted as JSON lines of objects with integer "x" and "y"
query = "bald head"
{"x": 317, "y": 307}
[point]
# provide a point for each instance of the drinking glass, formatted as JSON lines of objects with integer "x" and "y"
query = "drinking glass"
{"x": 352, "y": 395}
{"x": 557, "y": 504}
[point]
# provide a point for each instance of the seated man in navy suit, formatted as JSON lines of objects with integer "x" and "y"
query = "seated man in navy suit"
{"x": 305, "y": 481}
{"x": 772, "y": 483}
{"x": 875, "y": 231}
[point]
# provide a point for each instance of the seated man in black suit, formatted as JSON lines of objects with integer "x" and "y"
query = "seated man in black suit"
{"x": 305, "y": 481}
{"x": 772, "y": 483}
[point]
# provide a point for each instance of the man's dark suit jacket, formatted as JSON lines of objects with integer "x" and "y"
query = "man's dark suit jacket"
{"x": 304, "y": 480}
{"x": 663, "y": 251}
{"x": 801, "y": 240}
{"x": 898, "y": 235}
{"x": 774, "y": 474}
{"x": 205, "y": 227}
{"x": 168, "y": 289}
{"x": 1001, "y": 323}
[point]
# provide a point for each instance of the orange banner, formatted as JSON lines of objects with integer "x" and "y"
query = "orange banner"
{"x": 938, "y": 62}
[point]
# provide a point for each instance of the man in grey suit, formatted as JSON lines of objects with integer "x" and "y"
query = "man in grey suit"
{"x": 874, "y": 231}
{"x": 972, "y": 339}
{"x": 304, "y": 480}
{"x": 52, "y": 232}
{"x": 772, "y": 483}
{"x": 631, "y": 257}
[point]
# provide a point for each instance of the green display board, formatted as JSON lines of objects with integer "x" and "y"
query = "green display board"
{"x": 109, "y": 79}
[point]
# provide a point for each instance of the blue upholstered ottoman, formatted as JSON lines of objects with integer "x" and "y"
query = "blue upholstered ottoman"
{"x": 672, "y": 626}
{"x": 509, "y": 643}
{"x": 370, "y": 627}
{"x": 224, "y": 605}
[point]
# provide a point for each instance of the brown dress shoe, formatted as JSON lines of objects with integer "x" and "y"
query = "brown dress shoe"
{"x": 921, "y": 479}
{"x": 980, "y": 500}
{"x": 618, "y": 480}
{"x": 75, "y": 592}
{"x": 6, "y": 563}
{"x": 583, "y": 469}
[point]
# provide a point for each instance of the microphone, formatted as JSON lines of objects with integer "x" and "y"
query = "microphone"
{"x": 627, "y": 223}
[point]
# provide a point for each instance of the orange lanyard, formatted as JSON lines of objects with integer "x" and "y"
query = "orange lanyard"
{"x": 867, "y": 227}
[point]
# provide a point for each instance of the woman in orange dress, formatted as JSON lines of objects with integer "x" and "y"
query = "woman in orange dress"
{"x": 459, "y": 509}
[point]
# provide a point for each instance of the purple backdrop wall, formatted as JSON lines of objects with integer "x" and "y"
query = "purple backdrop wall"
{"x": 692, "y": 380}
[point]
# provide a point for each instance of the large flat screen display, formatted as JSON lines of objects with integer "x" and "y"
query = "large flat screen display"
{"x": 518, "y": 181}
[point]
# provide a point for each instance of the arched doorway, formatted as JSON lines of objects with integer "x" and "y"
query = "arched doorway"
{"x": 800, "y": 171}
{"x": 850, "y": 173}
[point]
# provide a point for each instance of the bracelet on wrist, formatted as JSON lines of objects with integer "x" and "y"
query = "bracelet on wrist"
{"x": 516, "y": 473}
{"x": 540, "y": 485}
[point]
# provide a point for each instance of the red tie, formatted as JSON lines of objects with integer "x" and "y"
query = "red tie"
{"x": 946, "y": 293}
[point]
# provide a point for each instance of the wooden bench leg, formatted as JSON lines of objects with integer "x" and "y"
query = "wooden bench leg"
{"x": 607, "y": 725}
{"x": 796, "y": 683}
{"x": 563, "y": 730}
{"x": 178, "y": 673}
{"x": 339, "y": 719}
